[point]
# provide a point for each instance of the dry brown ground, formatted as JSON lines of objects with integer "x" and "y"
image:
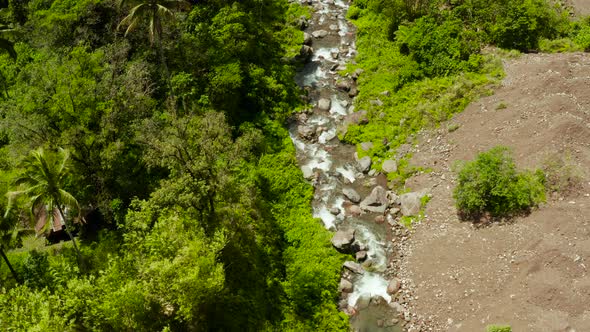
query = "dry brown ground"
{"x": 531, "y": 273}
{"x": 582, "y": 7}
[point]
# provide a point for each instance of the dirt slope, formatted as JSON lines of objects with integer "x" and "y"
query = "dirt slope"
{"x": 532, "y": 273}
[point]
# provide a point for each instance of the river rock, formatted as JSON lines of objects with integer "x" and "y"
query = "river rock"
{"x": 344, "y": 85}
{"x": 324, "y": 104}
{"x": 397, "y": 307}
{"x": 307, "y": 39}
{"x": 335, "y": 211}
{"x": 334, "y": 27}
{"x": 376, "y": 102}
{"x": 353, "y": 92}
{"x": 363, "y": 301}
{"x": 307, "y": 172}
{"x": 357, "y": 73}
{"x": 343, "y": 240}
{"x": 364, "y": 164}
{"x": 389, "y": 166}
{"x": 352, "y": 195}
{"x": 394, "y": 211}
{"x": 345, "y": 286}
{"x": 306, "y": 132}
{"x": 379, "y": 219}
{"x": 393, "y": 286}
{"x": 411, "y": 203}
{"x": 359, "y": 117}
{"x": 366, "y": 146}
{"x": 377, "y": 201}
{"x": 393, "y": 198}
{"x": 334, "y": 55}
{"x": 355, "y": 210}
{"x": 319, "y": 33}
{"x": 353, "y": 267}
{"x": 306, "y": 51}
{"x": 302, "y": 23}
{"x": 361, "y": 256}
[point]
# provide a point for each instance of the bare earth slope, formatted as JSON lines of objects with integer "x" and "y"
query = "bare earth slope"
{"x": 532, "y": 273}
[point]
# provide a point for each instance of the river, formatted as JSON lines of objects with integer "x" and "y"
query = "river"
{"x": 331, "y": 166}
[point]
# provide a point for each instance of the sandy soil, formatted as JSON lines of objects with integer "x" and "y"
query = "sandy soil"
{"x": 531, "y": 273}
{"x": 581, "y": 7}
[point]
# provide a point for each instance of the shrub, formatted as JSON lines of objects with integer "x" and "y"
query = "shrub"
{"x": 491, "y": 184}
{"x": 498, "y": 328}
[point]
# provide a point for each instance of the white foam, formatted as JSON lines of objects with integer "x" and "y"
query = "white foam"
{"x": 370, "y": 284}
{"x": 347, "y": 173}
{"x": 319, "y": 158}
{"x": 299, "y": 144}
{"x": 327, "y": 136}
{"x": 340, "y": 4}
{"x": 324, "y": 52}
{"x": 376, "y": 252}
{"x": 327, "y": 217}
{"x": 337, "y": 107}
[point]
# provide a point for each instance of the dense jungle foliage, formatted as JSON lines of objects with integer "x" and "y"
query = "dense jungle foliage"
{"x": 164, "y": 130}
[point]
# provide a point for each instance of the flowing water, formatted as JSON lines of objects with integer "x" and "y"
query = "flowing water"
{"x": 331, "y": 166}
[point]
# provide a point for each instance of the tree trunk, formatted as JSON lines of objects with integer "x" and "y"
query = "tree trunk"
{"x": 9, "y": 265}
{"x": 70, "y": 235}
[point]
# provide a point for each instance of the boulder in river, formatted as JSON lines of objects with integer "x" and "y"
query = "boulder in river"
{"x": 363, "y": 301}
{"x": 393, "y": 286}
{"x": 334, "y": 27}
{"x": 352, "y": 195}
{"x": 307, "y": 39}
{"x": 389, "y": 166}
{"x": 345, "y": 286}
{"x": 302, "y": 23}
{"x": 361, "y": 256}
{"x": 364, "y": 164}
{"x": 335, "y": 211}
{"x": 324, "y": 104}
{"x": 353, "y": 267}
{"x": 306, "y": 51}
{"x": 353, "y": 92}
{"x": 344, "y": 85}
{"x": 307, "y": 172}
{"x": 355, "y": 210}
{"x": 319, "y": 33}
{"x": 411, "y": 203}
{"x": 377, "y": 201}
{"x": 306, "y": 132}
{"x": 343, "y": 240}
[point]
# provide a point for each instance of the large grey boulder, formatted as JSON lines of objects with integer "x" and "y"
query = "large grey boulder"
{"x": 389, "y": 166}
{"x": 364, "y": 164}
{"x": 343, "y": 240}
{"x": 376, "y": 201}
{"x": 306, "y": 131}
{"x": 353, "y": 267}
{"x": 345, "y": 286}
{"x": 324, "y": 104}
{"x": 319, "y": 33}
{"x": 352, "y": 195}
{"x": 411, "y": 203}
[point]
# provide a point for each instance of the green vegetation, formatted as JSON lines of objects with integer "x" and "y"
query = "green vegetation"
{"x": 498, "y": 328}
{"x": 190, "y": 212}
{"x": 491, "y": 184}
{"x": 433, "y": 58}
{"x": 563, "y": 176}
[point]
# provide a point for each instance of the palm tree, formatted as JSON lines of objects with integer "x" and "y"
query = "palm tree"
{"x": 42, "y": 184}
{"x": 156, "y": 12}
